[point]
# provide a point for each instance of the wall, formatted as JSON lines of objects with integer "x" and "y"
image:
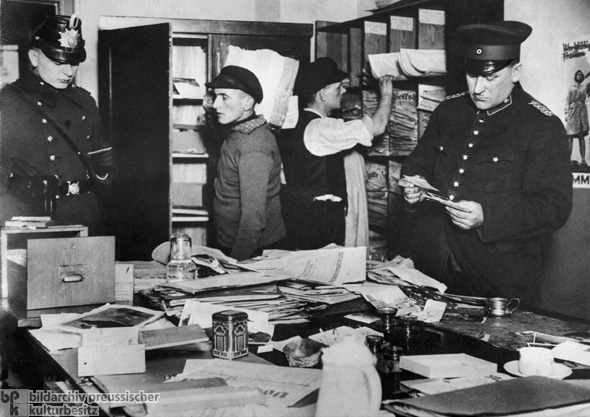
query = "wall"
{"x": 292, "y": 11}
{"x": 566, "y": 279}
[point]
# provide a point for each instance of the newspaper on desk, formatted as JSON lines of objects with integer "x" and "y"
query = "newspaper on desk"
{"x": 283, "y": 386}
{"x": 332, "y": 265}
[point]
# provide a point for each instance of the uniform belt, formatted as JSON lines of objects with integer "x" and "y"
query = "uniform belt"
{"x": 72, "y": 188}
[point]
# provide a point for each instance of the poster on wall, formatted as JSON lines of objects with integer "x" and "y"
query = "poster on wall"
{"x": 575, "y": 60}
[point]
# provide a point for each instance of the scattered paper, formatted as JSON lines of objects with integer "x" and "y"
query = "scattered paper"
{"x": 282, "y": 385}
{"x": 338, "y": 334}
{"x": 572, "y": 351}
{"x": 440, "y": 385}
{"x": 433, "y": 311}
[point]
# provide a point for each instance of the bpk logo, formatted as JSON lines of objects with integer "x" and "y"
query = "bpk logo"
{"x": 14, "y": 402}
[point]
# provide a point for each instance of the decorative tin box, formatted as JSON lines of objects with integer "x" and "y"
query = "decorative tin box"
{"x": 230, "y": 334}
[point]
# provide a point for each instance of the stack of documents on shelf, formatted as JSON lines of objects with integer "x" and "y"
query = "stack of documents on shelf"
{"x": 430, "y": 96}
{"x": 386, "y": 64}
{"x": 423, "y": 62}
{"x": 403, "y": 122}
{"x": 380, "y": 145}
{"x": 277, "y": 77}
{"x": 188, "y": 88}
{"x": 522, "y": 397}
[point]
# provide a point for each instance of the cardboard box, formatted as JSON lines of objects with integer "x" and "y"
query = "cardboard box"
{"x": 447, "y": 365}
{"x": 62, "y": 272}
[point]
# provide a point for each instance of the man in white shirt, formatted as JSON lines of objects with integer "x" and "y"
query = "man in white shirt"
{"x": 325, "y": 200}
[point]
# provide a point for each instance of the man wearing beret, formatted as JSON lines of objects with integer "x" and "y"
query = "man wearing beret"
{"x": 501, "y": 155}
{"x": 54, "y": 156}
{"x": 246, "y": 206}
{"x": 323, "y": 201}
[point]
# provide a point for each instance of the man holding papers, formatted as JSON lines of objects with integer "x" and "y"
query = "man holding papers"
{"x": 502, "y": 156}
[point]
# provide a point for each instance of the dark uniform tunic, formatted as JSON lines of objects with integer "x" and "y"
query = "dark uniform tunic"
{"x": 311, "y": 224}
{"x": 31, "y": 146}
{"x": 514, "y": 161}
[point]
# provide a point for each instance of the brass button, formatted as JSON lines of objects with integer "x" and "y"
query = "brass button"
{"x": 465, "y": 157}
{"x": 50, "y": 138}
{"x": 456, "y": 184}
{"x": 461, "y": 170}
{"x": 495, "y": 159}
{"x": 52, "y": 157}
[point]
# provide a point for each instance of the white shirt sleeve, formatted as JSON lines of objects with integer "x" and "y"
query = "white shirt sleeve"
{"x": 327, "y": 136}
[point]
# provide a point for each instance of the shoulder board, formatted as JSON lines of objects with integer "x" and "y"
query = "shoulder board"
{"x": 541, "y": 108}
{"x": 82, "y": 89}
{"x": 456, "y": 95}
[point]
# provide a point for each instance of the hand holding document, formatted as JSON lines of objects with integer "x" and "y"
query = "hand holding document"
{"x": 408, "y": 181}
{"x": 446, "y": 202}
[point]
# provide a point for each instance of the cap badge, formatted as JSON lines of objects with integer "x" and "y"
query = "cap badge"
{"x": 69, "y": 38}
{"x": 479, "y": 51}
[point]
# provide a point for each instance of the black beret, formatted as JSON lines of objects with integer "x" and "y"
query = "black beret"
{"x": 60, "y": 39}
{"x": 489, "y": 47}
{"x": 315, "y": 76}
{"x": 238, "y": 78}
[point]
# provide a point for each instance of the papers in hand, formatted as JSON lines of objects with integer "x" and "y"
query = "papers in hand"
{"x": 446, "y": 202}
{"x": 418, "y": 182}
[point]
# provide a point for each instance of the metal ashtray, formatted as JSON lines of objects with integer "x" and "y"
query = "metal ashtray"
{"x": 303, "y": 353}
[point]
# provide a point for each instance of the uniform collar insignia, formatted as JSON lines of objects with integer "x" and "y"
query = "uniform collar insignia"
{"x": 501, "y": 106}
{"x": 249, "y": 126}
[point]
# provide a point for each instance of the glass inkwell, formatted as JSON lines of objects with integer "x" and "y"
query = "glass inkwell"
{"x": 180, "y": 267}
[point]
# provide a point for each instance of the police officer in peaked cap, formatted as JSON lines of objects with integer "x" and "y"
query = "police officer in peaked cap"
{"x": 503, "y": 157}
{"x": 54, "y": 156}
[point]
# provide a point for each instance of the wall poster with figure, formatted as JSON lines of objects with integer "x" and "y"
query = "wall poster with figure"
{"x": 575, "y": 72}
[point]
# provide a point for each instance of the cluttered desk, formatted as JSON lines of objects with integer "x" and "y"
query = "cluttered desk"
{"x": 267, "y": 337}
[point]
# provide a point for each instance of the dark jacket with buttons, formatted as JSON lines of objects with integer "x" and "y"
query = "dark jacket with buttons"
{"x": 514, "y": 161}
{"x": 30, "y": 146}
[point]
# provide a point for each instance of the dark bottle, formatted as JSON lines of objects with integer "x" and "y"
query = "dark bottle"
{"x": 389, "y": 370}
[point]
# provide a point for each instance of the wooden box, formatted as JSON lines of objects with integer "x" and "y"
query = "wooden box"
{"x": 64, "y": 272}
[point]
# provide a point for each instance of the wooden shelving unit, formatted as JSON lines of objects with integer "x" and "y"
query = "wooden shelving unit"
{"x": 161, "y": 141}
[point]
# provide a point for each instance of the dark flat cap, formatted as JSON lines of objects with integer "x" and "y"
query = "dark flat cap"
{"x": 315, "y": 76}
{"x": 60, "y": 39}
{"x": 238, "y": 78}
{"x": 490, "y": 47}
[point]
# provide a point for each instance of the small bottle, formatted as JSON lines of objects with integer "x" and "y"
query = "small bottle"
{"x": 389, "y": 370}
{"x": 180, "y": 267}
